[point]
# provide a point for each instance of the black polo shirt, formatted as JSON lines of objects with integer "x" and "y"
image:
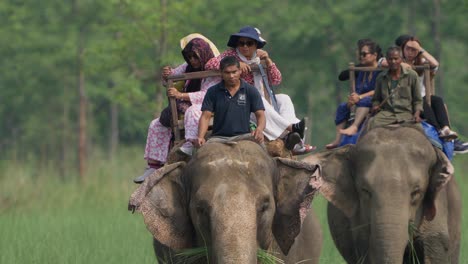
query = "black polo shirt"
{"x": 232, "y": 113}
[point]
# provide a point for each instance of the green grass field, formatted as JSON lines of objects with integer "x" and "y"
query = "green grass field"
{"x": 47, "y": 220}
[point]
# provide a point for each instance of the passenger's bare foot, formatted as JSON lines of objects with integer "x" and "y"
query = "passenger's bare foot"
{"x": 351, "y": 130}
{"x": 332, "y": 145}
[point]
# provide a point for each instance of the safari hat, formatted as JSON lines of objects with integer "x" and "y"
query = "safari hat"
{"x": 188, "y": 38}
{"x": 247, "y": 32}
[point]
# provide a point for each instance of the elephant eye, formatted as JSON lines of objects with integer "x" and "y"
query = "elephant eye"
{"x": 202, "y": 208}
{"x": 366, "y": 193}
{"x": 416, "y": 195}
{"x": 264, "y": 205}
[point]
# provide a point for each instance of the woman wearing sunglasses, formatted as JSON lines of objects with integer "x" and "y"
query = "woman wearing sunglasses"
{"x": 246, "y": 46}
{"x": 369, "y": 54}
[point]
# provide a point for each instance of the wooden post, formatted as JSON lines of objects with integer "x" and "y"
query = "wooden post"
{"x": 174, "y": 115}
{"x": 183, "y": 77}
{"x": 427, "y": 82}
{"x": 83, "y": 107}
{"x": 352, "y": 76}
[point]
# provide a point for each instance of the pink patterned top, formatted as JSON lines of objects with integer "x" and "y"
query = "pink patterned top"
{"x": 274, "y": 75}
{"x": 197, "y": 97}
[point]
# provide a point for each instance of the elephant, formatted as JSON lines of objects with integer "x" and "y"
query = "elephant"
{"x": 391, "y": 199}
{"x": 234, "y": 199}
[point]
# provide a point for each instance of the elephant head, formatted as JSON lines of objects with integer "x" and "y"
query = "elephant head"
{"x": 379, "y": 188}
{"x": 233, "y": 198}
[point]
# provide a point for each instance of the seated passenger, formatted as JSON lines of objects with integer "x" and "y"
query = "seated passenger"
{"x": 344, "y": 75}
{"x": 460, "y": 147}
{"x": 196, "y": 53}
{"x": 435, "y": 114}
{"x": 279, "y": 110}
{"x": 369, "y": 54}
{"x": 397, "y": 97}
{"x": 231, "y": 101}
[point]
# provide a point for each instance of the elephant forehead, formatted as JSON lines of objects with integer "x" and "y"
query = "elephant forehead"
{"x": 228, "y": 162}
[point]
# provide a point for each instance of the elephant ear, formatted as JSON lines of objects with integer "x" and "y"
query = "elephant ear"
{"x": 441, "y": 174}
{"x": 296, "y": 185}
{"x": 338, "y": 184}
{"x": 162, "y": 201}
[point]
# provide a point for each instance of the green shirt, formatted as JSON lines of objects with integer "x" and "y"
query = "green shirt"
{"x": 405, "y": 98}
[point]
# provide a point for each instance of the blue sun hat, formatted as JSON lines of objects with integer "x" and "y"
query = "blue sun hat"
{"x": 247, "y": 32}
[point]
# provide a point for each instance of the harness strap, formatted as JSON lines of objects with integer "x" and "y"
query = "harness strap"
{"x": 270, "y": 96}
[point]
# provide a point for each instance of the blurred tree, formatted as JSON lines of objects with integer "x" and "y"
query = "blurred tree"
{"x": 124, "y": 43}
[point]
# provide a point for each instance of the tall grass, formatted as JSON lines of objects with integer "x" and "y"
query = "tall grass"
{"x": 45, "y": 219}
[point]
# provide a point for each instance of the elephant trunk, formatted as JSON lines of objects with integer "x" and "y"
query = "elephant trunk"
{"x": 234, "y": 233}
{"x": 388, "y": 238}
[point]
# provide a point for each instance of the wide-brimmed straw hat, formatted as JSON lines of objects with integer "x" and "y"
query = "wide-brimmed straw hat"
{"x": 247, "y": 32}
{"x": 188, "y": 38}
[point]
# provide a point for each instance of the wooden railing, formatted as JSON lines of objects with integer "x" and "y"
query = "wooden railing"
{"x": 427, "y": 77}
{"x": 177, "y": 125}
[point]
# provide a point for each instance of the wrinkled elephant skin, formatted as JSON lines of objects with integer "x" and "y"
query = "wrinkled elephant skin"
{"x": 391, "y": 187}
{"x": 235, "y": 199}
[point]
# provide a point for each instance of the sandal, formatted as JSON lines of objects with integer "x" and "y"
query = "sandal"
{"x": 447, "y": 134}
{"x": 140, "y": 179}
{"x": 186, "y": 149}
{"x": 304, "y": 149}
{"x": 152, "y": 167}
{"x": 331, "y": 146}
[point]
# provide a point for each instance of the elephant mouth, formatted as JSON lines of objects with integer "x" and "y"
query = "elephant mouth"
{"x": 199, "y": 254}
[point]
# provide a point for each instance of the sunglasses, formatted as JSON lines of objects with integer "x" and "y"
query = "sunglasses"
{"x": 248, "y": 43}
{"x": 363, "y": 53}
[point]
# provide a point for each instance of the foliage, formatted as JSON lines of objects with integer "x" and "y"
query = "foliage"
{"x": 126, "y": 42}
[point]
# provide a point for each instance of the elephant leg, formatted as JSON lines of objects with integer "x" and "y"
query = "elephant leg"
{"x": 442, "y": 235}
{"x": 436, "y": 249}
{"x": 454, "y": 219}
{"x": 435, "y": 234}
{"x": 340, "y": 229}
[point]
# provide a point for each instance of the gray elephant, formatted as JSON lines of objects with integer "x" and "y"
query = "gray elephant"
{"x": 392, "y": 199}
{"x": 232, "y": 199}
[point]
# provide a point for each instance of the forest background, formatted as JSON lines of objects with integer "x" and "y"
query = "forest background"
{"x": 80, "y": 82}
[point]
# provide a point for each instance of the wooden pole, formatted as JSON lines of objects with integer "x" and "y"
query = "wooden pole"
{"x": 352, "y": 76}
{"x": 174, "y": 115}
{"x": 427, "y": 82}
{"x": 183, "y": 77}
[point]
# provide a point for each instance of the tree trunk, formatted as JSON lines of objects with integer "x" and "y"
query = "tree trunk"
{"x": 159, "y": 97}
{"x": 435, "y": 29}
{"x": 412, "y": 5}
{"x": 114, "y": 128}
{"x": 163, "y": 39}
{"x": 82, "y": 149}
{"x": 65, "y": 136}
{"x": 82, "y": 112}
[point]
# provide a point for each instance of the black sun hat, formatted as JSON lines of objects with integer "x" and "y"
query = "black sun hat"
{"x": 247, "y": 32}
